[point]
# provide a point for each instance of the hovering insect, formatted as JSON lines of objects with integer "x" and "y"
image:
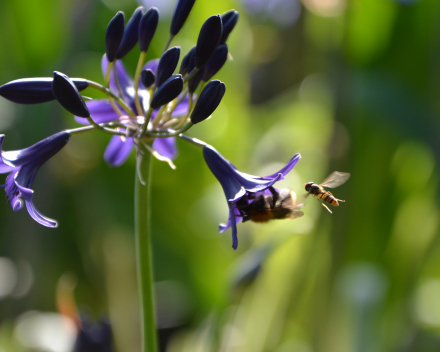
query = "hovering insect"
{"x": 270, "y": 204}
{"x": 333, "y": 180}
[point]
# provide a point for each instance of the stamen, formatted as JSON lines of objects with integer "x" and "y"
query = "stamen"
{"x": 159, "y": 156}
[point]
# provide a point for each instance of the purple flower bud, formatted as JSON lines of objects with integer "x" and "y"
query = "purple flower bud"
{"x": 68, "y": 96}
{"x": 167, "y": 64}
{"x": 209, "y": 38}
{"x": 184, "y": 66}
{"x": 208, "y": 101}
{"x": 147, "y": 78}
{"x": 147, "y": 28}
{"x": 130, "y": 37}
{"x": 181, "y": 13}
{"x": 113, "y": 35}
{"x": 229, "y": 20}
{"x": 167, "y": 92}
{"x": 34, "y": 90}
{"x": 216, "y": 62}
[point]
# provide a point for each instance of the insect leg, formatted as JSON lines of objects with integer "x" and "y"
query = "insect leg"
{"x": 275, "y": 196}
{"x": 326, "y": 207}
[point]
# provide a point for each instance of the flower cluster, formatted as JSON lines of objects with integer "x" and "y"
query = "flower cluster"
{"x": 145, "y": 112}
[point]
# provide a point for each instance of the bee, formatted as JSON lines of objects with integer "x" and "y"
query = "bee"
{"x": 271, "y": 204}
{"x": 333, "y": 180}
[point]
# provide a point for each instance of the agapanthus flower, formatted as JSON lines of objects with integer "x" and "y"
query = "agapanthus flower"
{"x": 96, "y": 337}
{"x": 238, "y": 185}
{"x": 22, "y": 166}
{"x": 101, "y": 111}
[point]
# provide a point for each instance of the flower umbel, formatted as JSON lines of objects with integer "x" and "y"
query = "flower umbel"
{"x": 238, "y": 185}
{"x": 22, "y": 166}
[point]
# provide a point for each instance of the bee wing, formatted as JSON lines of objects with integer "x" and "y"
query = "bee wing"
{"x": 296, "y": 214}
{"x": 335, "y": 179}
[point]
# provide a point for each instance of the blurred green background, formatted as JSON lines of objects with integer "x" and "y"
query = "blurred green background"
{"x": 352, "y": 85}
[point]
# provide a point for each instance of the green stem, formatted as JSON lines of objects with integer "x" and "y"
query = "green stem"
{"x": 167, "y": 45}
{"x": 144, "y": 260}
{"x": 137, "y": 75}
{"x": 92, "y": 127}
{"x": 168, "y": 132}
{"x": 190, "y": 75}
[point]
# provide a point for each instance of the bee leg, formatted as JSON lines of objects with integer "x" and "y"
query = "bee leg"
{"x": 326, "y": 207}
{"x": 275, "y": 196}
{"x": 246, "y": 218}
{"x": 340, "y": 200}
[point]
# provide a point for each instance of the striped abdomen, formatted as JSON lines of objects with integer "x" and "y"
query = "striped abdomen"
{"x": 326, "y": 196}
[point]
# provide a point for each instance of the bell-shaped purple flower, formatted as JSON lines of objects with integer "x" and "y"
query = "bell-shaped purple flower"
{"x": 22, "y": 166}
{"x": 237, "y": 184}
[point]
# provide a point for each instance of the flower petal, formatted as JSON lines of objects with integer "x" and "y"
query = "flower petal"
{"x": 118, "y": 151}
{"x": 286, "y": 169}
{"x": 38, "y": 217}
{"x": 37, "y": 154}
{"x": 166, "y": 147}
{"x": 232, "y": 209}
{"x": 234, "y": 182}
{"x": 27, "y": 195}
{"x": 238, "y": 218}
{"x": 100, "y": 110}
{"x": 3, "y": 167}
{"x": 12, "y": 193}
{"x": 182, "y": 108}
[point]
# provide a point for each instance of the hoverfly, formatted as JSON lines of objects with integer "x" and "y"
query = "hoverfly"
{"x": 333, "y": 180}
{"x": 268, "y": 205}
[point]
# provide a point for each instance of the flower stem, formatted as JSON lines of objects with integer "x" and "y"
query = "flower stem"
{"x": 144, "y": 260}
{"x": 190, "y": 75}
{"x": 137, "y": 75}
{"x": 167, "y": 45}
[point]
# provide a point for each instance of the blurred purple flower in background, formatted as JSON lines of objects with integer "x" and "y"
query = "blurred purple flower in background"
{"x": 94, "y": 337}
{"x": 165, "y": 7}
{"x": 237, "y": 184}
{"x": 23, "y": 166}
{"x": 281, "y": 12}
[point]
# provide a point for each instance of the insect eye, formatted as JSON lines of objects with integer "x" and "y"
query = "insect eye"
{"x": 314, "y": 187}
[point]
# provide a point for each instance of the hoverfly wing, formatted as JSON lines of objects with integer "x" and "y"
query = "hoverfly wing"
{"x": 335, "y": 179}
{"x": 300, "y": 201}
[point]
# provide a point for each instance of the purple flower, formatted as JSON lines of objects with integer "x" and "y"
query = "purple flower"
{"x": 282, "y": 12}
{"x": 22, "y": 166}
{"x": 120, "y": 148}
{"x": 96, "y": 337}
{"x": 237, "y": 184}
